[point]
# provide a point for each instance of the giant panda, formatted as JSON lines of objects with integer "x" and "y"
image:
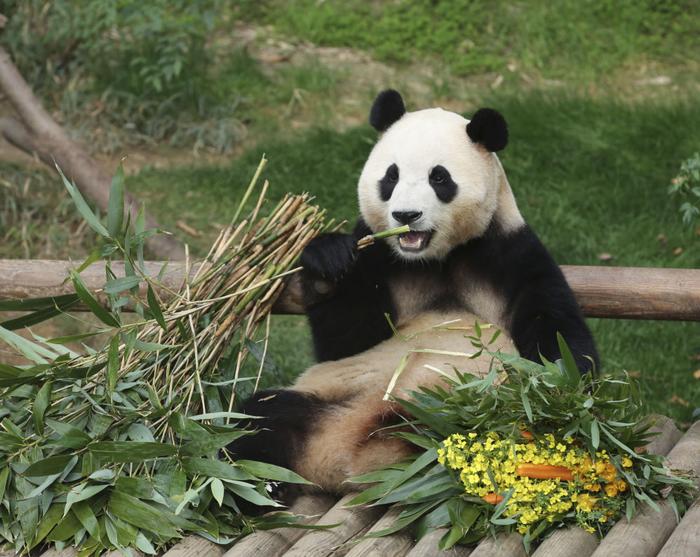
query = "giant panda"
{"x": 469, "y": 257}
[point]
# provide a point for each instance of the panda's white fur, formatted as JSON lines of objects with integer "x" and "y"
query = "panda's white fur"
{"x": 482, "y": 263}
{"x": 418, "y": 142}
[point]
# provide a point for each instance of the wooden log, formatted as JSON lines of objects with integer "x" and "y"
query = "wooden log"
{"x": 66, "y": 552}
{"x": 40, "y": 135}
{"x": 616, "y": 292}
{"x": 502, "y": 545}
{"x": 648, "y": 531}
{"x": 570, "y": 541}
{"x": 394, "y": 545}
{"x": 668, "y": 435}
{"x": 350, "y": 522}
{"x": 576, "y": 541}
{"x": 427, "y": 546}
{"x": 194, "y": 546}
{"x": 685, "y": 539}
{"x": 272, "y": 543}
{"x": 636, "y": 292}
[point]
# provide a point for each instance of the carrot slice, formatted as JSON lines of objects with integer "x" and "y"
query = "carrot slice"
{"x": 545, "y": 472}
{"x": 492, "y": 498}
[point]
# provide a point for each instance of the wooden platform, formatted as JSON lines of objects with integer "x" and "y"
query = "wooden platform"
{"x": 647, "y": 535}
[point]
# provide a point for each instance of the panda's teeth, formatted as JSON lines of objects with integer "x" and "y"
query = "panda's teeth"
{"x": 414, "y": 240}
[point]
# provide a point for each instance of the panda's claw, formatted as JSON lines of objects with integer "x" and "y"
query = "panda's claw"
{"x": 329, "y": 256}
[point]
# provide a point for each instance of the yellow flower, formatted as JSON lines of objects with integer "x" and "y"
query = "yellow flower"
{"x": 611, "y": 490}
{"x": 586, "y": 502}
{"x": 621, "y": 485}
{"x": 626, "y": 462}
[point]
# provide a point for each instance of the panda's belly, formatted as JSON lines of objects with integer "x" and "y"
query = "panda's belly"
{"x": 349, "y": 438}
{"x": 434, "y": 345}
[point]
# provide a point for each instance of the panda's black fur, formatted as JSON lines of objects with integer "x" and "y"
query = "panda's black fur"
{"x": 538, "y": 298}
{"x": 355, "y": 318}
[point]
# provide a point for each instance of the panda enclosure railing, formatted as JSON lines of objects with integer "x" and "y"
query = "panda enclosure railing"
{"x": 609, "y": 292}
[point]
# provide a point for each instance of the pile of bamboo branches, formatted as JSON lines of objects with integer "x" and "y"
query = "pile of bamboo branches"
{"x": 122, "y": 447}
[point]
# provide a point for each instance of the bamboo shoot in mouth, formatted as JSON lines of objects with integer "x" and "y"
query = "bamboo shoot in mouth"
{"x": 371, "y": 238}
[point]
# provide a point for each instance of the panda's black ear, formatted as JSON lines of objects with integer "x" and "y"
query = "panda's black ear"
{"x": 388, "y": 107}
{"x": 488, "y": 128}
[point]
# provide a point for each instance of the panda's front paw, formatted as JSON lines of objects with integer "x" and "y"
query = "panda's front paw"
{"x": 329, "y": 256}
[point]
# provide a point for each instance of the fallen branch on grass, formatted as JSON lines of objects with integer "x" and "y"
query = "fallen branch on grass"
{"x": 39, "y": 134}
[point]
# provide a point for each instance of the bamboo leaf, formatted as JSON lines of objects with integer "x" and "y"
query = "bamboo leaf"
{"x": 41, "y": 403}
{"x": 271, "y": 472}
{"x": 118, "y": 285}
{"x": 86, "y": 517}
{"x": 595, "y": 434}
{"x": 249, "y": 494}
{"x": 131, "y": 451}
{"x": 115, "y": 206}
{"x": 70, "y": 436}
{"x": 36, "y": 304}
{"x": 144, "y": 544}
{"x": 215, "y": 469}
{"x": 82, "y": 206}
{"x": 155, "y": 308}
{"x": 217, "y": 490}
{"x": 47, "y": 523}
{"x": 113, "y": 363}
{"x": 81, "y": 492}
{"x": 570, "y": 367}
{"x": 101, "y": 313}
{"x": 48, "y": 466}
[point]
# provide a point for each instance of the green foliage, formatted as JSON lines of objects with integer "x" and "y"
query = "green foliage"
{"x": 123, "y": 447}
{"x": 686, "y": 185}
{"x": 588, "y": 175}
{"x": 144, "y": 66}
{"x": 550, "y": 399}
{"x": 568, "y": 38}
{"x": 133, "y": 48}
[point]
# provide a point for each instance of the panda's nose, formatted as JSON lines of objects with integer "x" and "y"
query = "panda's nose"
{"x": 407, "y": 217}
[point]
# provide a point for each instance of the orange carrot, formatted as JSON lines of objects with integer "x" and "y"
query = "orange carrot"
{"x": 492, "y": 498}
{"x": 545, "y": 472}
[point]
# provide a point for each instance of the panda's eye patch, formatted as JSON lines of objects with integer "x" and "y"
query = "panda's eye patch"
{"x": 441, "y": 181}
{"x": 388, "y": 182}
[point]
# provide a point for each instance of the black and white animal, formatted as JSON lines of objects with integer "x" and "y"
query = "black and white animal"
{"x": 469, "y": 256}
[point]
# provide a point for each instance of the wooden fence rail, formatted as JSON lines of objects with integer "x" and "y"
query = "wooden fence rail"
{"x": 612, "y": 292}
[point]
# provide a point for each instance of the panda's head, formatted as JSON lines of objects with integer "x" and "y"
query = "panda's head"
{"x": 437, "y": 172}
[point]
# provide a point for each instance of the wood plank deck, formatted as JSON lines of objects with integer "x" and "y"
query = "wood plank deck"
{"x": 647, "y": 535}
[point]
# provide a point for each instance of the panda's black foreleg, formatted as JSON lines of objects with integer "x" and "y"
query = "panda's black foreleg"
{"x": 539, "y": 319}
{"x": 352, "y": 318}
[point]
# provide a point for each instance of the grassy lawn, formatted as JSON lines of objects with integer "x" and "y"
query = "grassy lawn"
{"x": 590, "y": 177}
{"x": 600, "y": 98}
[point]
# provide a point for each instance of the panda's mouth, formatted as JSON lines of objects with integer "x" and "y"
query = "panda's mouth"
{"x": 415, "y": 240}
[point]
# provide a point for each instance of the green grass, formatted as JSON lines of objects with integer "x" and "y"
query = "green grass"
{"x": 570, "y": 39}
{"x": 590, "y": 177}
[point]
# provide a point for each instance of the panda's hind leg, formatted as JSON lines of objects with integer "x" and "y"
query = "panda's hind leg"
{"x": 286, "y": 419}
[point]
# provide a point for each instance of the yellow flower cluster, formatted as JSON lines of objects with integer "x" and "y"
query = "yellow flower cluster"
{"x": 547, "y": 478}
